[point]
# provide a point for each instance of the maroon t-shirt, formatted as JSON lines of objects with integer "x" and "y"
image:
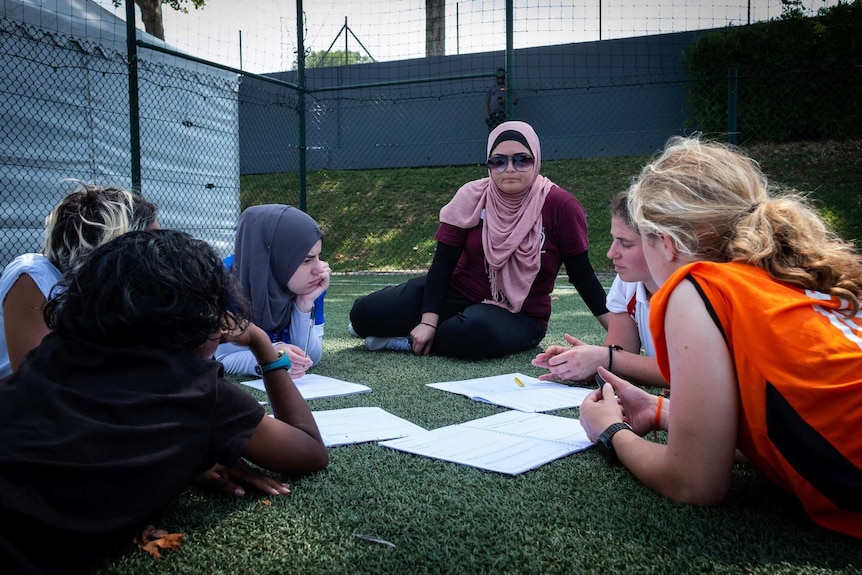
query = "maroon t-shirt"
{"x": 564, "y": 234}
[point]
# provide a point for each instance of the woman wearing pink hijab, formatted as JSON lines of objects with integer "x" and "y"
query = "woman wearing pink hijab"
{"x": 501, "y": 243}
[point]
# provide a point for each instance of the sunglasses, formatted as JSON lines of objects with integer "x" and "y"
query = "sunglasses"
{"x": 522, "y": 162}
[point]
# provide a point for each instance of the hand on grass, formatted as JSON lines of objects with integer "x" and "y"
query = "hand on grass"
{"x": 230, "y": 480}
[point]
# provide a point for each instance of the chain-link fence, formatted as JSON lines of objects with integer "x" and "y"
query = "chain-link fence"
{"x": 65, "y": 118}
{"x": 371, "y": 150}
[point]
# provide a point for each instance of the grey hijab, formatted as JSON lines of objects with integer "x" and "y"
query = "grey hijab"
{"x": 271, "y": 242}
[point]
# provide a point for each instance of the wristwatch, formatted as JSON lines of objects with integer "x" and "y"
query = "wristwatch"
{"x": 283, "y": 362}
{"x": 604, "y": 445}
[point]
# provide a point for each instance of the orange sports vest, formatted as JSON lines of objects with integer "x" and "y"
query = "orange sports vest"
{"x": 799, "y": 369}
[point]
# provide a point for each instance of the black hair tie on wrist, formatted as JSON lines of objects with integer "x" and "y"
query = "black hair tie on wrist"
{"x": 611, "y": 349}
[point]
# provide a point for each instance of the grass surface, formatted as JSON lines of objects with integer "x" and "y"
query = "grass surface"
{"x": 386, "y": 219}
{"x": 573, "y": 515}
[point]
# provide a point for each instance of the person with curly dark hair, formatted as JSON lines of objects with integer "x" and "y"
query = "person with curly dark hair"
{"x": 121, "y": 406}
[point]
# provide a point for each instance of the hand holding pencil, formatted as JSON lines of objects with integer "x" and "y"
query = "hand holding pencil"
{"x": 300, "y": 363}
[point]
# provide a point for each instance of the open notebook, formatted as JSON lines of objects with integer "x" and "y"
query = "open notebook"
{"x": 511, "y": 442}
{"x": 313, "y": 386}
{"x": 533, "y": 396}
{"x": 361, "y": 424}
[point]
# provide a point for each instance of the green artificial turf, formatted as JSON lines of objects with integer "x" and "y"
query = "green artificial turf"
{"x": 573, "y": 515}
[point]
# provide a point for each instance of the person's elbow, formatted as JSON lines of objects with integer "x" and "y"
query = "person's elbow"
{"x": 287, "y": 449}
{"x": 319, "y": 460}
{"x": 699, "y": 492}
{"x": 315, "y": 356}
{"x": 604, "y": 319}
{"x": 704, "y": 497}
{"x": 312, "y": 459}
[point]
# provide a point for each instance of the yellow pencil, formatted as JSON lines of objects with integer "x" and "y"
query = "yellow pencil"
{"x": 519, "y": 382}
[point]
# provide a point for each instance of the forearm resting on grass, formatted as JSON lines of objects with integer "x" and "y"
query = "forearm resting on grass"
{"x": 696, "y": 463}
{"x": 679, "y": 470}
{"x": 675, "y": 469}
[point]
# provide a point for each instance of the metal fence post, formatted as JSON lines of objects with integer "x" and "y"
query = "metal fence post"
{"x": 732, "y": 96}
{"x": 300, "y": 71}
{"x": 134, "y": 107}
{"x": 510, "y": 51}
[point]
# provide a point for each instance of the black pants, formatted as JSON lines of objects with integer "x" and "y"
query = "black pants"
{"x": 466, "y": 330}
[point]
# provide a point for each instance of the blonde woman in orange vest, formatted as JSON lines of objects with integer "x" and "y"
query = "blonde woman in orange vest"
{"x": 758, "y": 330}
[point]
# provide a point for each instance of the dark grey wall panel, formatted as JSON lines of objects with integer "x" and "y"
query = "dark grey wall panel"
{"x": 617, "y": 97}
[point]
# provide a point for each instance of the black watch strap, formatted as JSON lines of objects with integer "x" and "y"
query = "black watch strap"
{"x": 604, "y": 442}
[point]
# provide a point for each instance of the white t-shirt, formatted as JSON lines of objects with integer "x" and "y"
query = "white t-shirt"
{"x": 44, "y": 275}
{"x": 631, "y": 298}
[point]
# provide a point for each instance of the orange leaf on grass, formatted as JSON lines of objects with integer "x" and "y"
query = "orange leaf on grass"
{"x": 152, "y": 540}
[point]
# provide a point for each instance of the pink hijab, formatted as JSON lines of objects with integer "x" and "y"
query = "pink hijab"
{"x": 511, "y": 236}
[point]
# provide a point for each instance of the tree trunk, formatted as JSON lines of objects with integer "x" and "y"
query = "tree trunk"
{"x": 435, "y": 27}
{"x": 151, "y": 16}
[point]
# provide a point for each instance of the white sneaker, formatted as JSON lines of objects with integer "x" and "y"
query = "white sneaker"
{"x": 350, "y": 330}
{"x": 394, "y": 343}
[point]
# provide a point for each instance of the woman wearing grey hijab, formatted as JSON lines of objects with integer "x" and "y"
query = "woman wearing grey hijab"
{"x": 277, "y": 263}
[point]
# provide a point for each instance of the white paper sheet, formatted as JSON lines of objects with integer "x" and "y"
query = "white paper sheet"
{"x": 535, "y": 396}
{"x": 511, "y": 442}
{"x": 314, "y": 386}
{"x": 361, "y": 424}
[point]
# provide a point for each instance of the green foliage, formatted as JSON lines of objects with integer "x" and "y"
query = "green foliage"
{"x": 151, "y": 12}
{"x": 795, "y": 76}
{"x": 792, "y": 9}
{"x": 178, "y": 5}
{"x": 325, "y": 58}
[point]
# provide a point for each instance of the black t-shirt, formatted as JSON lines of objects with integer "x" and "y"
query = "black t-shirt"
{"x": 96, "y": 441}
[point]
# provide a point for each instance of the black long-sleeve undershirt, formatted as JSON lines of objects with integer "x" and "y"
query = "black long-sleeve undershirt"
{"x": 583, "y": 277}
{"x": 439, "y": 274}
{"x": 578, "y": 268}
